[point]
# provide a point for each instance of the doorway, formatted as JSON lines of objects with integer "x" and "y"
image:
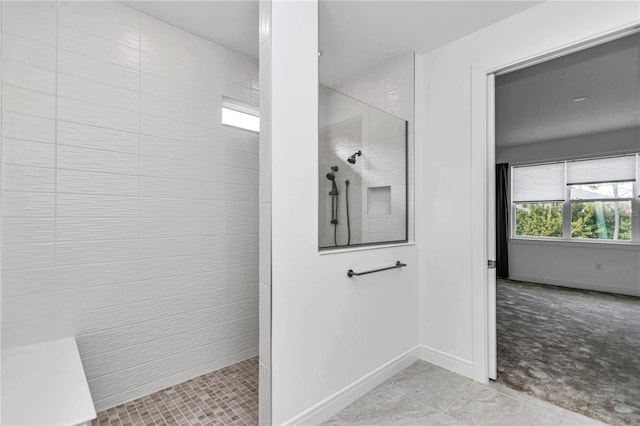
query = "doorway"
{"x": 563, "y": 127}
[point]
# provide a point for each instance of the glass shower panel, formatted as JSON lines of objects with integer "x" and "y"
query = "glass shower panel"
{"x": 363, "y": 173}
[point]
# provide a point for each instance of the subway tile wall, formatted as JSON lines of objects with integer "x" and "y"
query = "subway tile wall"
{"x": 391, "y": 88}
{"x": 129, "y": 213}
{"x": 347, "y": 127}
{"x": 264, "y": 366}
{"x": 350, "y": 126}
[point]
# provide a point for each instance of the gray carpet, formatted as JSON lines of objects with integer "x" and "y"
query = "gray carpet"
{"x": 576, "y": 349}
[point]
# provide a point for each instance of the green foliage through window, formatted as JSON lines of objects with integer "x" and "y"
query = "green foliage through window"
{"x": 539, "y": 219}
{"x": 602, "y": 220}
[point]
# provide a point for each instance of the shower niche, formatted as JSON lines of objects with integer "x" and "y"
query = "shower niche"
{"x": 362, "y": 194}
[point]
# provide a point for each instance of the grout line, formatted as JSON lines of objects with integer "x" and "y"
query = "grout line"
{"x": 139, "y": 230}
{"x": 341, "y": 420}
{"x": 128, "y": 132}
{"x": 55, "y": 157}
{"x": 458, "y": 396}
{"x": 418, "y": 401}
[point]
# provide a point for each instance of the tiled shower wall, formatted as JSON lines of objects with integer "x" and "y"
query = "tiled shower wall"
{"x": 388, "y": 88}
{"x": 129, "y": 214}
{"x": 347, "y": 126}
{"x": 264, "y": 367}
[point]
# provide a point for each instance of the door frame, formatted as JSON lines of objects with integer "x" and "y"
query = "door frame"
{"x": 490, "y": 208}
{"x": 483, "y": 173}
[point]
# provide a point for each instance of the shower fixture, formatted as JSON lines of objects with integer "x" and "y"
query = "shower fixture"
{"x": 332, "y": 177}
{"x": 352, "y": 159}
{"x": 333, "y": 193}
{"x": 346, "y": 195}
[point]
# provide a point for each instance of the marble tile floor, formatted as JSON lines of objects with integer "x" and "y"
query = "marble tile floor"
{"x": 577, "y": 349}
{"x": 424, "y": 394}
{"x": 228, "y": 396}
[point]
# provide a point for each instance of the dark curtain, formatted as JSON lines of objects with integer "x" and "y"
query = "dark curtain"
{"x": 502, "y": 220}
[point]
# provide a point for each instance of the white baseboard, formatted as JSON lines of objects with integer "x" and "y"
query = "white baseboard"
{"x": 577, "y": 284}
{"x": 450, "y": 362}
{"x": 333, "y": 404}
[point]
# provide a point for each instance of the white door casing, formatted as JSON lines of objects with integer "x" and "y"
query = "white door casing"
{"x": 492, "y": 347}
{"x": 483, "y": 190}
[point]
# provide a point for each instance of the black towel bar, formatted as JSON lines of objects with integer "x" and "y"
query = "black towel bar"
{"x": 398, "y": 264}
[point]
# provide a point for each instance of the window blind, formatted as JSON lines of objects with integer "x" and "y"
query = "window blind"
{"x": 615, "y": 169}
{"x": 543, "y": 182}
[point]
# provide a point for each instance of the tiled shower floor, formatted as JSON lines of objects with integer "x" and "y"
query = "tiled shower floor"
{"x": 228, "y": 396}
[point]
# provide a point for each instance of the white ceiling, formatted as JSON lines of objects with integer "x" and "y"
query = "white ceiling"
{"x": 233, "y": 24}
{"x": 358, "y": 36}
{"x": 355, "y": 36}
{"x": 535, "y": 104}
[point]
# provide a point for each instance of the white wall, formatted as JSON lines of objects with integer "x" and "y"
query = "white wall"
{"x": 1, "y": 180}
{"x": 130, "y": 215}
{"x": 450, "y": 172}
{"x": 328, "y": 331}
{"x": 614, "y": 268}
{"x": 623, "y": 141}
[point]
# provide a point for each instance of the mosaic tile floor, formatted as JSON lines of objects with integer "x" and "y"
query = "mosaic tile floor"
{"x": 228, "y": 396}
{"x": 576, "y": 349}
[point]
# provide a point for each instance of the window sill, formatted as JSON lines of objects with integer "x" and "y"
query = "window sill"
{"x": 328, "y": 251}
{"x": 609, "y": 245}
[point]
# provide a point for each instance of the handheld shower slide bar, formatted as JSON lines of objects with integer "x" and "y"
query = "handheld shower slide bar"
{"x": 346, "y": 195}
{"x": 333, "y": 193}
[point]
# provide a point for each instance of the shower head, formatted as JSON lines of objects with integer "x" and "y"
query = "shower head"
{"x": 352, "y": 159}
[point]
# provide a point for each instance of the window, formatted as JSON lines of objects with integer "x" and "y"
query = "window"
{"x": 594, "y": 199}
{"x": 539, "y": 219}
{"x": 241, "y": 115}
{"x": 538, "y": 194}
{"x": 602, "y": 210}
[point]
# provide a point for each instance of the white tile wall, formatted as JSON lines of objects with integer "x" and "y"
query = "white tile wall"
{"x": 264, "y": 417}
{"x": 389, "y": 88}
{"x": 130, "y": 214}
{"x": 349, "y": 126}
